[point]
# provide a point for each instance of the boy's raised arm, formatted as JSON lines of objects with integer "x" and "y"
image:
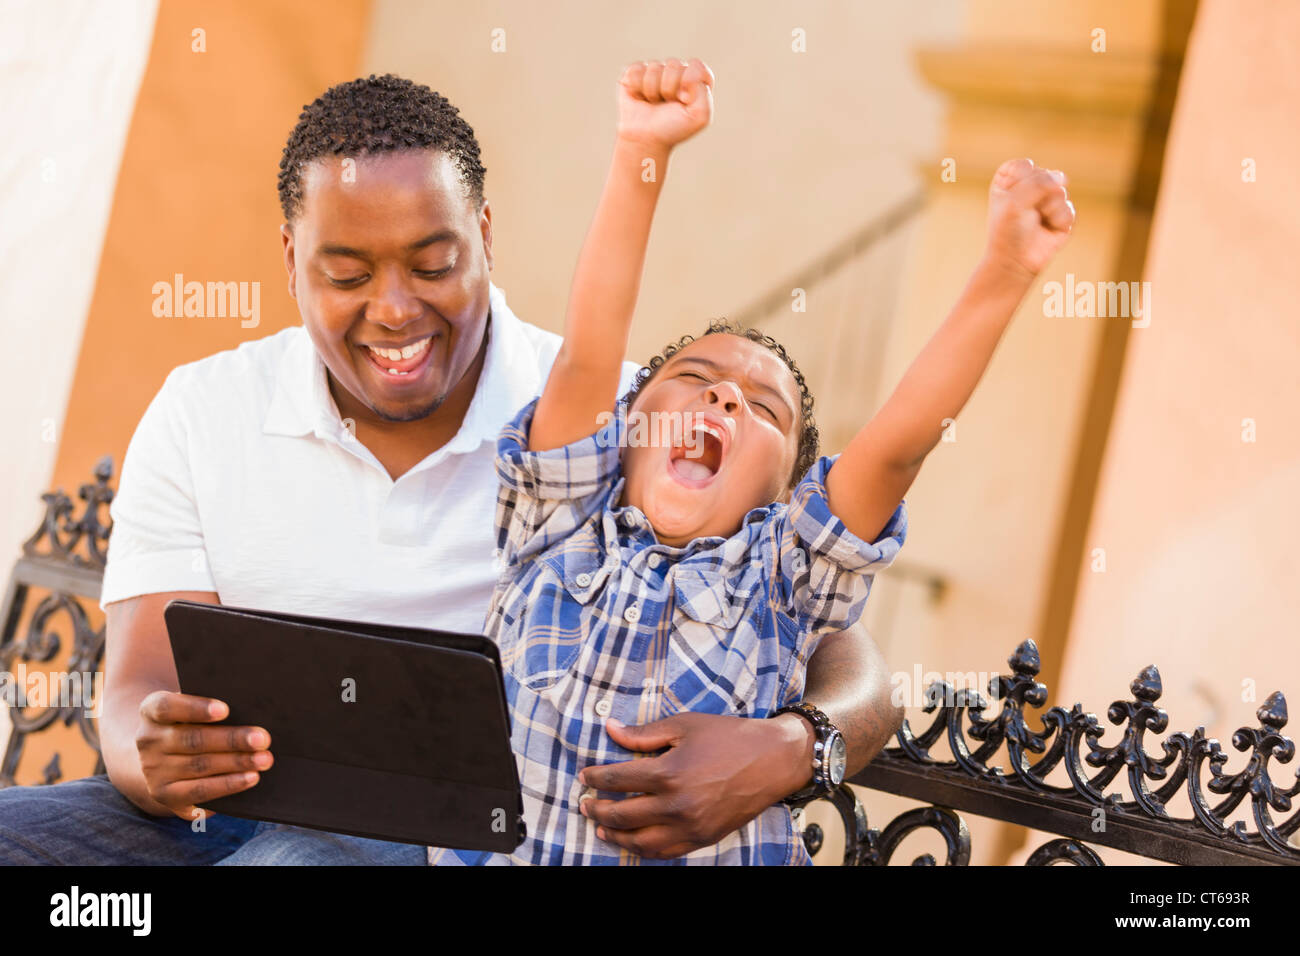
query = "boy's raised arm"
{"x": 660, "y": 105}
{"x": 1030, "y": 218}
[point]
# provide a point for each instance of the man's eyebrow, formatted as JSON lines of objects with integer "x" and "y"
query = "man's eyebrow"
{"x": 442, "y": 235}
{"x": 334, "y": 249}
{"x": 337, "y": 249}
{"x": 718, "y": 370}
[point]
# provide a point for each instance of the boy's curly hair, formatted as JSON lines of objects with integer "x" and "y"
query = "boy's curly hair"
{"x": 809, "y": 438}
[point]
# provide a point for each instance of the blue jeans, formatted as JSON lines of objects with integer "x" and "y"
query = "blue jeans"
{"x": 88, "y": 822}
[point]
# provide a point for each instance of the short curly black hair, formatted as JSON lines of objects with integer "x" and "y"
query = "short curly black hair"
{"x": 809, "y": 437}
{"x": 378, "y": 114}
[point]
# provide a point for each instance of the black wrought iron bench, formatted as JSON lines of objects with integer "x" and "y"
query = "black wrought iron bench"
{"x": 1060, "y": 778}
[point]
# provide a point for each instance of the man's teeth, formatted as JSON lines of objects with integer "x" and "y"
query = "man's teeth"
{"x": 396, "y": 355}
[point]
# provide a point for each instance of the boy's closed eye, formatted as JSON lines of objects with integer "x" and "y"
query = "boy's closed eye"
{"x": 771, "y": 414}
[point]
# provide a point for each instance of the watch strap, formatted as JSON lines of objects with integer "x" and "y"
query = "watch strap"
{"x": 824, "y": 732}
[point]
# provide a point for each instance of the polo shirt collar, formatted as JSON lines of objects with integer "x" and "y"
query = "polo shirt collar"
{"x": 302, "y": 404}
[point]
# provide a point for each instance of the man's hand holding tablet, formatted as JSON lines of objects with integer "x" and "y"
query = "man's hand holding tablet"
{"x": 188, "y": 761}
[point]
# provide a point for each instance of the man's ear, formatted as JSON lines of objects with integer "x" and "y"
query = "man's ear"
{"x": 286, "y": 238}
{"x": 485, "y": 229}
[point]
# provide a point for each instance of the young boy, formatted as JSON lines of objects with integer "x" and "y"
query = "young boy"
{"x": 692, "y": 563}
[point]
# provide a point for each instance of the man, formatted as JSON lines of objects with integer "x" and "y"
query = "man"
{"x": 344, "y": 469}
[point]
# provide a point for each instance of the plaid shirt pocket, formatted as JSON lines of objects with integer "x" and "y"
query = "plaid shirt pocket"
{"x": 713, "y": 653}
{"x": 555, "y": 606}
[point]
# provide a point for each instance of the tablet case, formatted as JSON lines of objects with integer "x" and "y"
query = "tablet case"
{"x": 393, "y": 733}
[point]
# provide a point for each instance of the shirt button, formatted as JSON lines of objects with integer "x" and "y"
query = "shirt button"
{"x": 653, "y": 561}
{"x": 632, "y": 614}
{"x": 629, "y": 520}
{"x": 604, "y": 706}
{"x": 583, "y": 579}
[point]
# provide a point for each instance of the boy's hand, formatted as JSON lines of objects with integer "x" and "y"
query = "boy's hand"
{"x": 1030, "y": 216}
{"x": 663, "y": 103}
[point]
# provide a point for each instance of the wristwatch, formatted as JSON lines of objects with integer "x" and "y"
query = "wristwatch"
{"x": 830, "y": 755}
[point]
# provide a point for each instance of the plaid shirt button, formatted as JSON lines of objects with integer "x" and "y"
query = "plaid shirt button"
{"x": 583, "y": 579}
{"x": 632, "y": 614}
{"x": 604, "y": 706}
{"x": 653, "y": 561}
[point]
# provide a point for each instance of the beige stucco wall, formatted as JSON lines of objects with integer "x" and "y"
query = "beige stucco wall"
{"x": 804, "y": 148}
{"x": 987, "y": 507}
{"x": 1198, "y": 525}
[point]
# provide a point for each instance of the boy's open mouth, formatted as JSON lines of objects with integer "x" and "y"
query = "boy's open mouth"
{"x": 699, "y": 464}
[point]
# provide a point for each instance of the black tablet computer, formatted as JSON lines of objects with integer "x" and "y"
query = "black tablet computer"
{"x": 393, "y": 733}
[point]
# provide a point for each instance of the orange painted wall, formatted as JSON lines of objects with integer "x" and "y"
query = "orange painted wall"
{"x": 196, "y": 194}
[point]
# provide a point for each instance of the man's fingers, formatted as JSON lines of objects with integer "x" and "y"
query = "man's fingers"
{"x": 645, "y": 738}
{"x": 631, "y": 814}
{"x": 193, "y": 766}
{"x": 197, "y": 739}
{"x": 188, "y": 794}
{"x": 656, "y": 842}
{"x": 169, "y": 707}
{"x": 634, "y": 776}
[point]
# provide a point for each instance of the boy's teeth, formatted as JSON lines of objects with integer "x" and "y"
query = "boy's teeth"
{"x": 693, "y": 469}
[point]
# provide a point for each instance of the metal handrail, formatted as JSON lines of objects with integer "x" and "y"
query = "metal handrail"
{"x": 831, "y": 261}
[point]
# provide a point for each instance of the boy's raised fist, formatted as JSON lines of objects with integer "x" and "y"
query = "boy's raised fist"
{"x": 664, "y": 102}
{"x": 1030, "y": 215}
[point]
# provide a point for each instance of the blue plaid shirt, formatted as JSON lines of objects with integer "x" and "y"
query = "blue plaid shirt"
{"x": 596, "y": 619}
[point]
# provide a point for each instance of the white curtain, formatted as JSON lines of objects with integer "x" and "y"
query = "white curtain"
{"x": 69, "y": 74}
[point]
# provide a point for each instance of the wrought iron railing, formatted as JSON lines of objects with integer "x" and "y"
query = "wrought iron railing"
{"x": 63, "y": 561}
{"x": 1059, "y": 778}
{"x": 777, "y": 298}
{"x": 1090, "y": 806}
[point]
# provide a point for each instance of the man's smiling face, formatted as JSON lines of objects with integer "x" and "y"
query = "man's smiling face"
{"x": 389, "y": 262}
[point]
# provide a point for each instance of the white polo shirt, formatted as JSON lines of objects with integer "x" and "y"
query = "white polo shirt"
{"x": 241, "y": 479}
